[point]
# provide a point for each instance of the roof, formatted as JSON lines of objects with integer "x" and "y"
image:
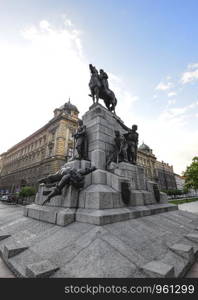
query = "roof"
{"x": 144, "y": 147}
{"x": 68, "y": 106}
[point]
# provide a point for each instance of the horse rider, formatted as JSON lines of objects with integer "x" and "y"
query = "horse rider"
{"x": 104, "y": 80}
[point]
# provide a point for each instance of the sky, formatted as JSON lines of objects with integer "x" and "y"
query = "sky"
{"x": 148, "y": 48}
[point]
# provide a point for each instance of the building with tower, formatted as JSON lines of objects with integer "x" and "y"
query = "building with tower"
{"x": 157, "y": 171}
{"x": 147, "y": 159}
{"x": 41, "y": 153}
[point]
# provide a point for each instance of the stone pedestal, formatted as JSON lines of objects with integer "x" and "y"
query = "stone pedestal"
{"x": 101, "y": 200}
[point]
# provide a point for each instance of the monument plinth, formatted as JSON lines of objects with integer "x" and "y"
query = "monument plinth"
{"x": 112, "y": 193}
{"x": 102, "y": 185}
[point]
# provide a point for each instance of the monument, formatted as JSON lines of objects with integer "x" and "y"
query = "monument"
{"x": 112, "y": 221}
{"x": 102, "y": 183}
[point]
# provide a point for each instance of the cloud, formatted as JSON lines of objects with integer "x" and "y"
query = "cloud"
{"x": 172, "y": 101}
{"x": 164, "y": 86}
{"x": 172, "y": 94}
{"x": 169, "y": 136}
{"x": 193, "y": 66}
{"x": 48, "y": 65}
{"x": 191, "y": 74}
{"x": 40, "y": 72}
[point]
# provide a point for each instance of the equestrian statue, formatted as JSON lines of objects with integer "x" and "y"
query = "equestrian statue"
{"x": 99, "y": 88}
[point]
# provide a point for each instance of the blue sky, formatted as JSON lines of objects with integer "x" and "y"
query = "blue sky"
{"x": 148, "y": 47}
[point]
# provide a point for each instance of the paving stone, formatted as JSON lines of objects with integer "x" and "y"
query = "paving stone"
{"x": 192, "y": 236}
{"x": 185, "y": 251}
{"x": 103, "y": 262}
{"x": 4, "y": 236}
{"x": 4, "y": 270}
{"x": 12, "y": 249}
{"x": 81, "y": 249}
{"x": 158, "y": 269}
{"x": 41, "y": 269}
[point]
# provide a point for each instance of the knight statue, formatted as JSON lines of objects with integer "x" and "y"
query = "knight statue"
{"x": 99, "y": 88}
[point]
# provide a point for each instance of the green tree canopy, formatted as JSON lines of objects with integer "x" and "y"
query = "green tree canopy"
{"x": 191, "y": 174}
{"x": 27, "y": 191}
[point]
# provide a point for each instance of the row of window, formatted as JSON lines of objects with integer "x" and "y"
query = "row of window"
{"x": 26, "y": 149}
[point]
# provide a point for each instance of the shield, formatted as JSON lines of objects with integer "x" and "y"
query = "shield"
{"x": 125, "y": 191}
{"x": 156, "y": 192}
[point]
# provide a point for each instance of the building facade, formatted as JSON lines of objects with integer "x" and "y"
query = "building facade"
{"x": 147, "y": 159}
{"x": 165, "y": 176}
{"x": 180, "y": 182}
{"x": 160, "y": 172}
{"x": 42, "y": 153}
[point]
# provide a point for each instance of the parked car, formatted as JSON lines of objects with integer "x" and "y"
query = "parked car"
{"x": 10, "y": 198}
{"x": 4, "y": 198}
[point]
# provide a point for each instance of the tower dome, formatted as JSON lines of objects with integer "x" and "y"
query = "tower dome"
{"x": 144, "y": 147}
{"x": 68, "y": 107}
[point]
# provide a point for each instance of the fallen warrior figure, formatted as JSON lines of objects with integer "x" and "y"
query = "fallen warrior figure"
{"x": 64, "y": 177}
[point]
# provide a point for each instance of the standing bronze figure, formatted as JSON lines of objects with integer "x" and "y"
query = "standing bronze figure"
{"x": 99, "y": 88}
{"x": 119, "y": 153}
{"x": 81, "y": 144}
{"x": 132, "y": 142}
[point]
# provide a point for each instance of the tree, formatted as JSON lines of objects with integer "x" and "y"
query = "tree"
{"x": 27, "y": 191}
{"x": 191, "y": 174}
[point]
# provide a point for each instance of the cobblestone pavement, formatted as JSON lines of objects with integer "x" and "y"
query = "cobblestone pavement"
{"x": 193, "y": 208}
{"x": 4, "y": 271}
{"x": 8, "y": 213}
{"x": 193, "y": 272}
{"x": 11, "y": 213}
{"x": 190, "y": 207}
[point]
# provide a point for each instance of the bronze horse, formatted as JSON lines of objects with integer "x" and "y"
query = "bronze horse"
{"x": 99, "y": 92}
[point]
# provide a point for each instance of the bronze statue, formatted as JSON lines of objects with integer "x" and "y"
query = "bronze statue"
{"x": 99, "y": 88}
{"x": 132, "y": 142}
{"x": 64, "y": 177}
{"x": 121, "y": 147}
{"x": 119, "y": 153}
{"x": 104, "y": 81}
{"x": 81, "y": 144}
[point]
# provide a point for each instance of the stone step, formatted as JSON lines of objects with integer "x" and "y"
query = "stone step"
{"x": 192, "y": 237}
{"x": 181, "y": 256}
{"x": 4, "y": 236}
{"x": 107, "y": 216}
{"x": 54, "y": 215}
{"x": 41, "y": 269}
{"x": 185, "y": 251}
{"x": 13, "y": 249}
{"x": 158, "y": 269}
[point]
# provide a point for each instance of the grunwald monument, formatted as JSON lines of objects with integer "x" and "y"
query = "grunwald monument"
{"x": 99, "y": 216}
